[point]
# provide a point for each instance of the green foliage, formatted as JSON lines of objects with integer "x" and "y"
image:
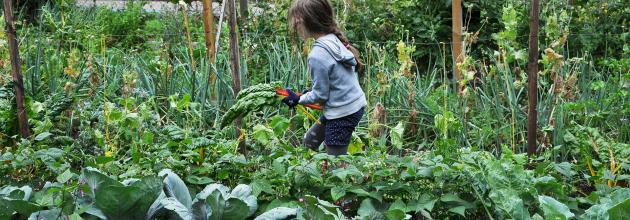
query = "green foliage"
{"x": 100, "y": 196}
{"x": 16, "y": 200}
{"x": 117, "y": 90}
{"x": 122, "y": 28}
{"x": 496, "y": 187}
{"x": 8, "y": 116}
{"x": 600, "y": 156}
{"x": 129, "y": 199}
{"x": 213, "y": 202}
{"x": 396, "y": 135}
{"x": 277, "y": 214}
{"x": 611, "y": 206}
{"x": 554, "y": 209}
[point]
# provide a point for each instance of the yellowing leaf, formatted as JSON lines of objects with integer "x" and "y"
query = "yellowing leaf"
{"x": 396, "y": 135}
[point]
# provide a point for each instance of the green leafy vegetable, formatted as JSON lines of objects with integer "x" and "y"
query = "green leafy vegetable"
{"x": 252, "y": 99}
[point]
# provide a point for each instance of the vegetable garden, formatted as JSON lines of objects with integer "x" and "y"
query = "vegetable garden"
{"x": 135, "y": 114}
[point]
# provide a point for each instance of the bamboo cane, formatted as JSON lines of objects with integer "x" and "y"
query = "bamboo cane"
{"x": 458, "y": 57}
{"x": 208, "y": 22}
{"x": 219, "y": 26}
{"x": 187, "y": 28}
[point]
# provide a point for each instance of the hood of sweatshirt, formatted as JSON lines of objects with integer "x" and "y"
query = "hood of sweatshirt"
{"x": 336, "y": 49}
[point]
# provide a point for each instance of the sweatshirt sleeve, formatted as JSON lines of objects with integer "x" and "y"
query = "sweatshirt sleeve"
{"x": 321, "y": 84}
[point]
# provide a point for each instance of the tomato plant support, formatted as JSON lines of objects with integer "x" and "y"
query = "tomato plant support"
{"x": 208, "y": 23}
{"x": 219, "y": 27}
{"x": 532, "y": 74}
{"x": 243, "y": 7}
{"x": 184, "y": 8}
{"x": 211, "y": 51}
{"x": 235, "y": 67}
{"x": 18, "y": 84}
{"x": 457, "y": 40}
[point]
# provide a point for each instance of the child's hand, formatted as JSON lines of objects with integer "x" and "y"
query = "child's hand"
{"x": 292, "y": 99}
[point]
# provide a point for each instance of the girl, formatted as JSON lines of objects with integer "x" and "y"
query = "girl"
{"x": 333, "y": 65}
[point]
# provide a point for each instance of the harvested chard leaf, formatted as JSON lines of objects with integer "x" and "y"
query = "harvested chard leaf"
{"x": 252, "y": 99}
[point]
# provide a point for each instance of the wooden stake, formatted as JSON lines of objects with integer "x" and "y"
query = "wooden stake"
{"x": 18, "y": 84}
{"x": 219, "y": 26}
{"x": 532, "y": 76}
{"x": 208, "y": 23}
{"x": 208, "y": 20}
{"x": 458, "y": 57}
{"x": 235, "y": 66}
{"x": 244, "y": 13}
{"x": 190, "y": 45}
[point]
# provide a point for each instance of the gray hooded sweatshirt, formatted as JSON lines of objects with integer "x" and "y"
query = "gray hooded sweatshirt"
{"x": 335, "y": 81}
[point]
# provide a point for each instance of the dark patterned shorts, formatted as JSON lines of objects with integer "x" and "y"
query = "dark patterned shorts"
{"x": 336, "y": 133}
{"x": 339, "y": 130}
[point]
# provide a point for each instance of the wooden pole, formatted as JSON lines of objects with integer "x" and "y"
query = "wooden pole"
{"x": 18, "y": 84}
{"x": 208, "y": 20}
{"x": 532, "y": 75}
{"x": 235, "y": 66}
{"x": 218, "y": 35}
{"x": 244, "y": 13}
{"x": 457, "y": 38}
{"x": 188, "y": 37}
{"x": 208, "y": 23}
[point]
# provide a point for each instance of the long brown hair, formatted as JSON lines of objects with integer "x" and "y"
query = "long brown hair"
{"x": 317, "y": 17}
